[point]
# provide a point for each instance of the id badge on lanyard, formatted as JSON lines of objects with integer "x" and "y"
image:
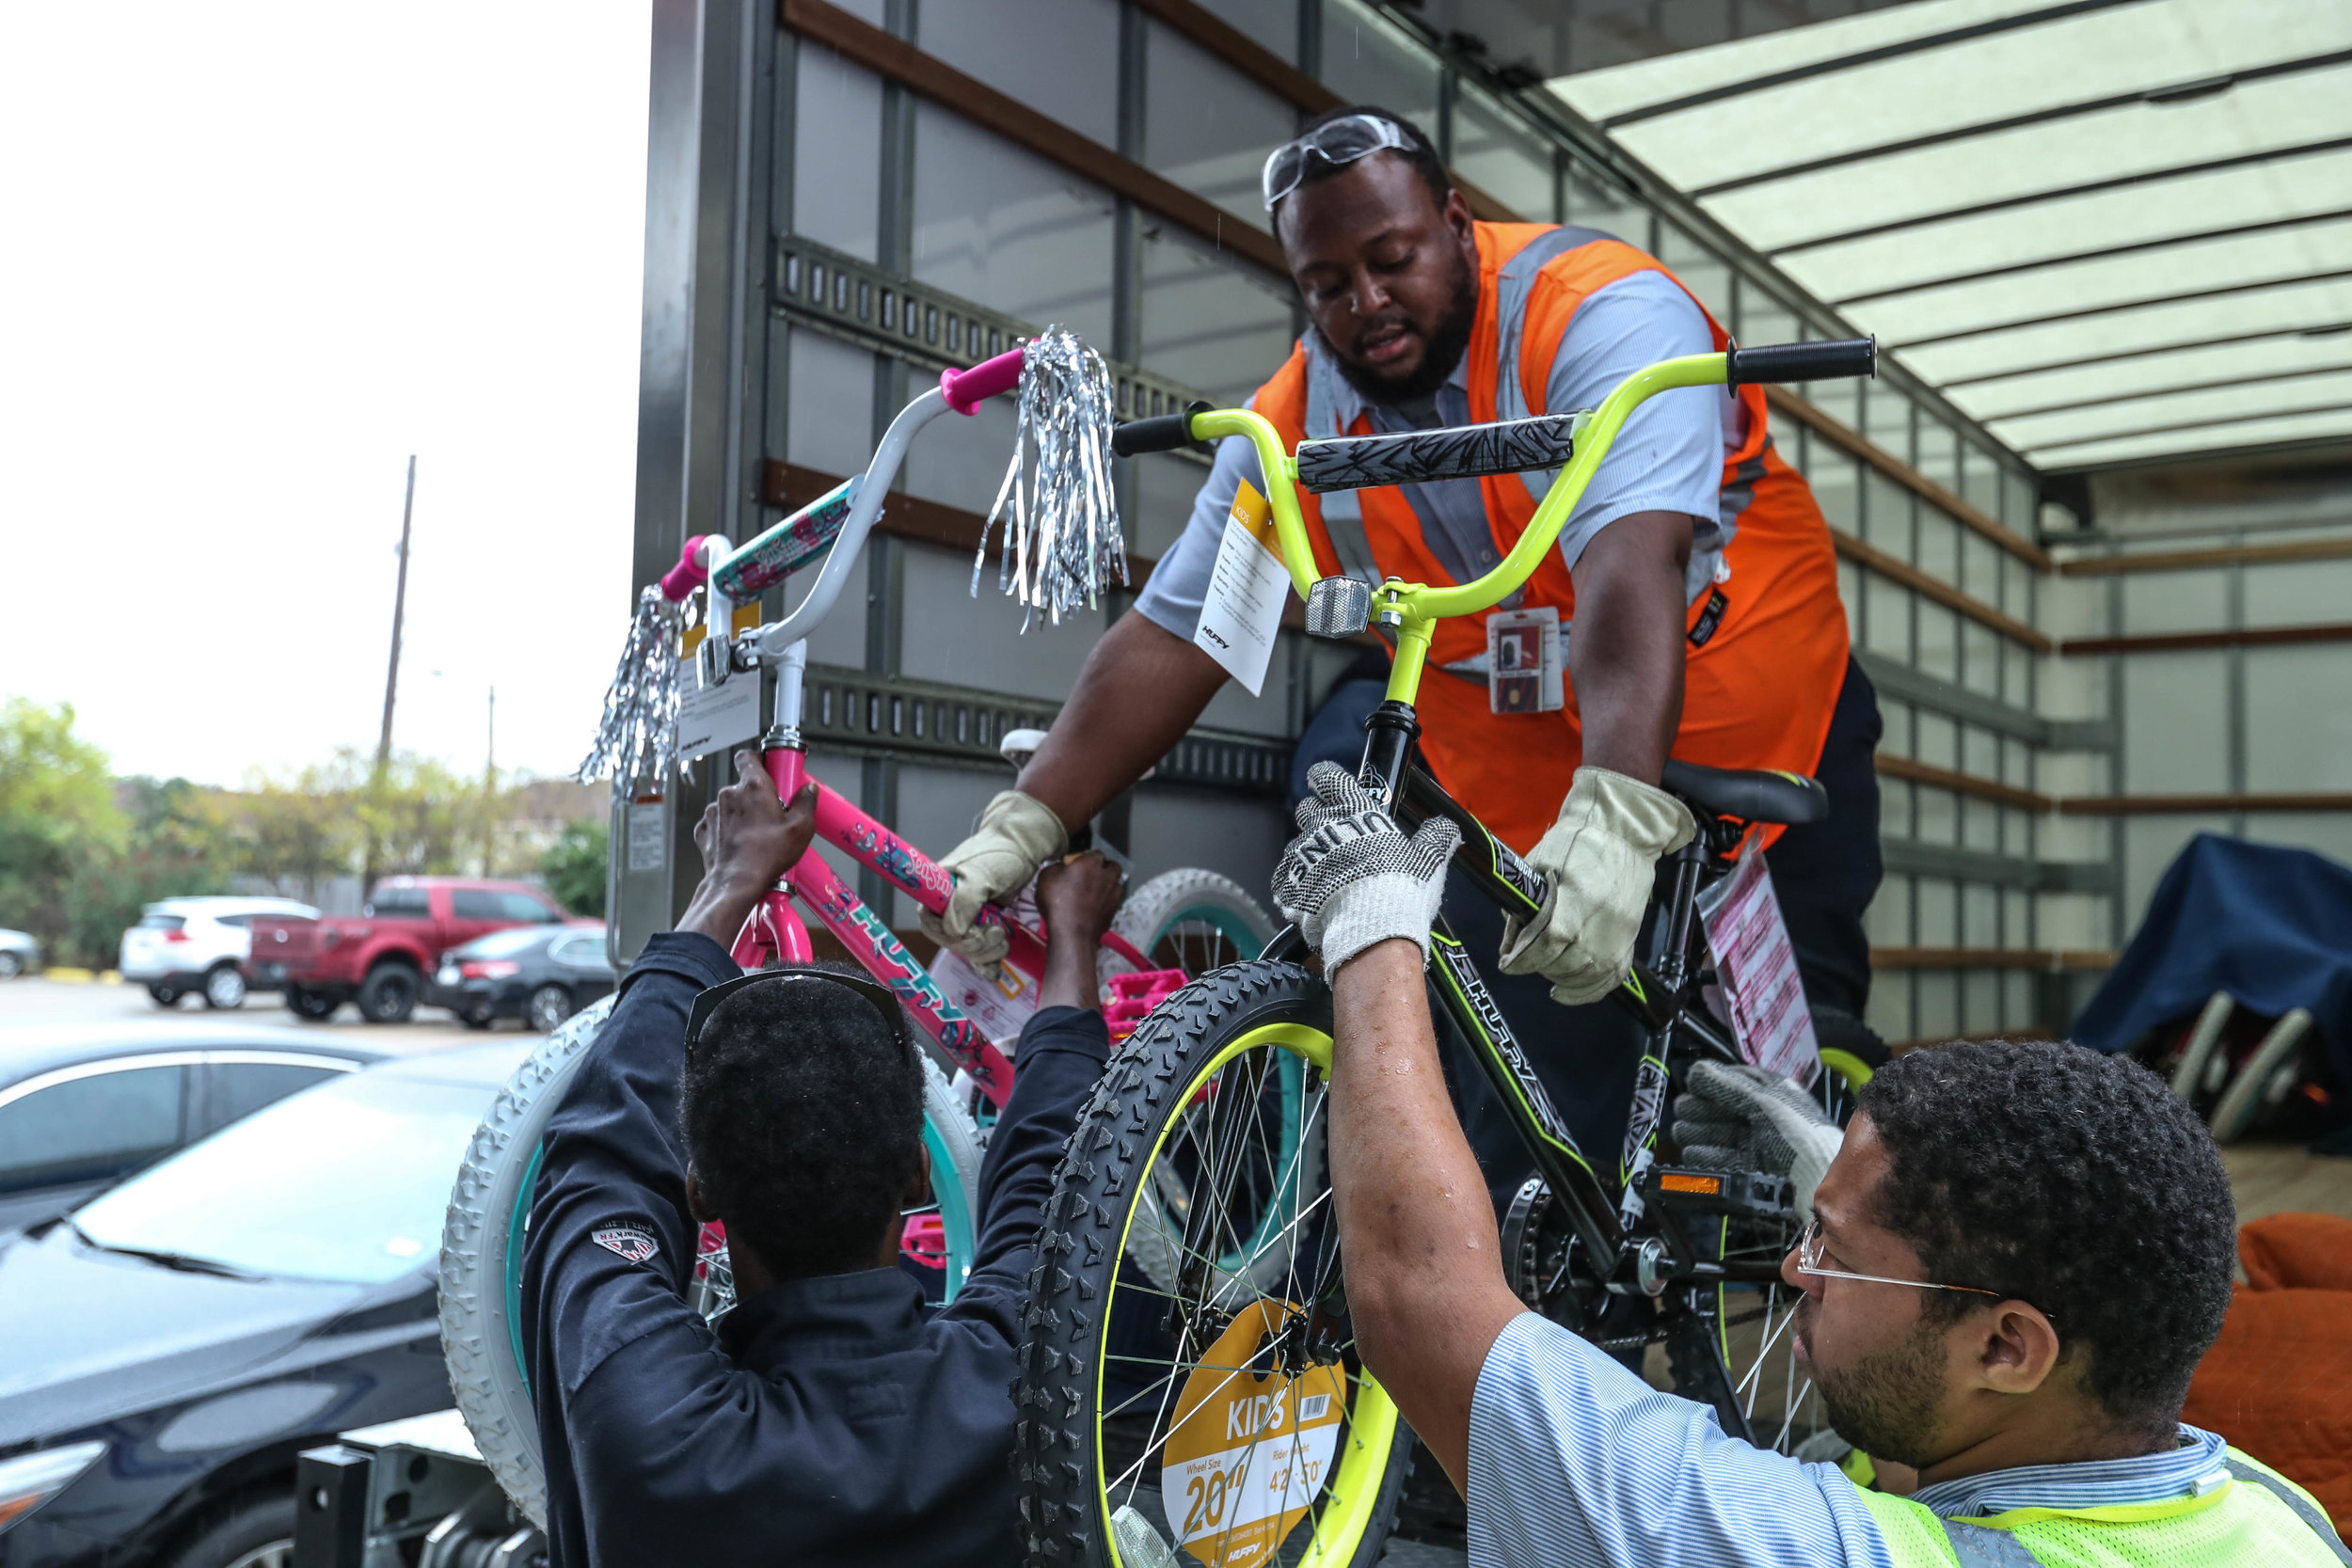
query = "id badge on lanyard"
{"x": 1524, "y": 662}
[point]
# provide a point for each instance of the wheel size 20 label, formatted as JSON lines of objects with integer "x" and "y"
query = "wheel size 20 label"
{"x": 1251, "y": 1449}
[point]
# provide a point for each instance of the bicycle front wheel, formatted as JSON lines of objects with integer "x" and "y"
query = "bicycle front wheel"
{"x": 1222, "y": 1412}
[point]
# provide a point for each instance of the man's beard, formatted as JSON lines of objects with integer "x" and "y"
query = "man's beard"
{"x": 1442, "y": 353}
{"x": 1885, "y": 1405}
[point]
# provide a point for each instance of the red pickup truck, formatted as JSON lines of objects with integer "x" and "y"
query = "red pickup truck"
{"x": 381, "y": 957}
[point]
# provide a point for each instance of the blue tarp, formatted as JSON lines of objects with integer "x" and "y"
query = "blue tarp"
{"x": 2269, "y": 924}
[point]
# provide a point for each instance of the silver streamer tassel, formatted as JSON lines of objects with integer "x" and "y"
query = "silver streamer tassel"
{"x": 637, "y": 738}
{"x": 1062, "y": 547}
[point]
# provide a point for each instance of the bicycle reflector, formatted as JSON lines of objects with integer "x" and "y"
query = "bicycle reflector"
{"x": 1339, "y": 606}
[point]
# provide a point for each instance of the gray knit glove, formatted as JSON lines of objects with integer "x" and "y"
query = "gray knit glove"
{"x": 1351, "y": 878}
{"x": 1734, "y": 1116}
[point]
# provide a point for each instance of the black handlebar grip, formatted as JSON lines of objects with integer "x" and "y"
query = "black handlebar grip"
{"x": 1848, "y": 357}
{"x": 1165, "y": 432}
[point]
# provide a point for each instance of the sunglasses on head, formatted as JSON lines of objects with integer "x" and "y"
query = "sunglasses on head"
{"x": 1339, "y": 141}
{"x": 873, "y": 990}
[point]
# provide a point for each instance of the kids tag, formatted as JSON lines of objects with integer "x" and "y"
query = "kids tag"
{"x": 1243, "y": 610}
{"x": 1523, "y": 662}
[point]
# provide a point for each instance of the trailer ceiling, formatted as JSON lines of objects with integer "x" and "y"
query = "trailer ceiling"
{"x": 2111, "y": 231}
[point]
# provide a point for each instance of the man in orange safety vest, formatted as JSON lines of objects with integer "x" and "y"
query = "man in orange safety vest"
{"x": 1695, "y": 589}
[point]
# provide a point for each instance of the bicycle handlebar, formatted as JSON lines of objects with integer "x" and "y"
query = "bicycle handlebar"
{"x": 1846, "y": 356}
{"x": 688, "y": 573}
{"x": 965, "y": 390}
{"x": 1161, "y": 433}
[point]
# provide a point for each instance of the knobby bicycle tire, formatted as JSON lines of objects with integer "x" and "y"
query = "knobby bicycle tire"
{"x": 481, "y": 1245}
{"x": 1085, "y": 1283}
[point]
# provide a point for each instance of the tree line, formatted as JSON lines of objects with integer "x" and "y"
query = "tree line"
{"x": 83, "y": 851}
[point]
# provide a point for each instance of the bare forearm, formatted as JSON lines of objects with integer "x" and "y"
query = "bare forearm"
{"x": 1141, "y": 690}
{"x": 1626, "y": 652}
{"x": 1417, "y": 1229}
{"x": 1070, "y": 978}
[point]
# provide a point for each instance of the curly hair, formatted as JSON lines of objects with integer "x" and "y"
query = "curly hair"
{"x": 2071, "y": 1179}
{"x": 1419, "y": 151}
{"x": 803, "y": 1113}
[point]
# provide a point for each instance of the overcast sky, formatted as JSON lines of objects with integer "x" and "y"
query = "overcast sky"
{"x": 257, "y": 254}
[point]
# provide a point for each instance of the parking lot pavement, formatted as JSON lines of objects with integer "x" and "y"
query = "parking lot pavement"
{"x": 32, "y": 1000}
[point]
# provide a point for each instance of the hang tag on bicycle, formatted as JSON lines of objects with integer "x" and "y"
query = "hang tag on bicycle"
{"x": 713, "y": 717}
{"x": 1000, "y": 1006}
{"x": 1250, "y": 1449}
{"x": 1755, "y": 965}
{"x": 1524, "y": 662}
{"x": 1248, "y": 586}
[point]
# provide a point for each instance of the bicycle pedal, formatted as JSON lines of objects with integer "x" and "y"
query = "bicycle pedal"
{"x": 1133, "y": 996}
{"x": 1744, "y": 1193}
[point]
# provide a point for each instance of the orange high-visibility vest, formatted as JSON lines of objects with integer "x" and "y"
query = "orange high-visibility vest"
{"x": 1766, "y": 639}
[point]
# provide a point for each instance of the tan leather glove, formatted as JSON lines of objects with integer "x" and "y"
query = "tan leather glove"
{"x": 1017, "y": 834}
{"x": 1601, "y": 857}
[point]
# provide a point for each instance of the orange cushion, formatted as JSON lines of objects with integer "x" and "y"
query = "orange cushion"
{"x": 2278, "y": 1383}
{"x": 2309, "y": 1252}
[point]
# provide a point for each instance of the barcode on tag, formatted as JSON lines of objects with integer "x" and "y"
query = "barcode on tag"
{"x": 1312, "y": 1407}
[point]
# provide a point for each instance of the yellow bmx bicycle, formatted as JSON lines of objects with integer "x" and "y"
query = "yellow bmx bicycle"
{"x": 1223, "y": 1415}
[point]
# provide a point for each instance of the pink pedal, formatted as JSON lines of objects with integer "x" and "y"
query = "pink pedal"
{"x": 925, "y": 1240}
{"x": 1133, "y": 996}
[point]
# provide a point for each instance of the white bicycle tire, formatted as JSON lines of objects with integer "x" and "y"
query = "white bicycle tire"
{"x": 478, "y": 1330}
{"x": 1147, "y": 909}
{"x": 2246, "y": 1092}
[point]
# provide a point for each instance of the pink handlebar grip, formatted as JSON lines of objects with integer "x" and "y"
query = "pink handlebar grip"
{"x": 688, "y": 573}
{"x": 965, "y": 390}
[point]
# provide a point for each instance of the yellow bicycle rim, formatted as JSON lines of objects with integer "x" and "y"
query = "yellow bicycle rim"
{"x": 1354, "y": 1489}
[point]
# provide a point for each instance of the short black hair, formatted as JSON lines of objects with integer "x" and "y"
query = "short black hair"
{"x": 2072, "y": 1179}
{"x": 803, "y": 1111}
{"x": 1420, "y": 151}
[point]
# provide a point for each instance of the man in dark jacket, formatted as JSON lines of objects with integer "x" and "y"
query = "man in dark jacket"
{"x": 831, "y": 1417}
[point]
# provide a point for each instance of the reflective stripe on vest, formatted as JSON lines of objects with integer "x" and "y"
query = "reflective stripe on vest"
{"x": 1515, "y": 282}
{"x": 1332, "y": 405}
{"x": 1979, "y": 1545}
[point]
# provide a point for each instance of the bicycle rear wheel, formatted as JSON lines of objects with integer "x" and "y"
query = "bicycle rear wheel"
{"x": 1754, "y": 1326}
{"x": 1224, "y": 1410}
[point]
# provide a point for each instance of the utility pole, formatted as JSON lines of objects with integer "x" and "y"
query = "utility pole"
{"x": 490, "y": 791}
{"x": 392, "y": 683}
{"x": 399, "y": 610}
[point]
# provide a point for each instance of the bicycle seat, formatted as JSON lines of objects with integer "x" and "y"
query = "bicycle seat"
{"x": 1750, "y": 794}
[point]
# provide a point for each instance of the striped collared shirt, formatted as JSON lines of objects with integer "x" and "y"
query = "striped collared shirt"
{"x": 1574, "y": 1461}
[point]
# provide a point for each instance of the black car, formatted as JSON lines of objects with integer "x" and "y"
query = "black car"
{"x": 541, "y": 975}
{"x": 172, "y": 1345}
{"x": 82, "y": 1106}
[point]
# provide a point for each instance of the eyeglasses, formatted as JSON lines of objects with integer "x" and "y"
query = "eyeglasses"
{"x": 1809, "y": 1261}
{"x": 709, "y": 1002}
{"x": 1339, "y": 141}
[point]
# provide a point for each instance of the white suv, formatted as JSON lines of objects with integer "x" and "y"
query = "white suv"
{"x": 198, "y": 944}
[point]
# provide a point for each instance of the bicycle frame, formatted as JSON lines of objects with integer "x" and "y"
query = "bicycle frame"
{"x": 774, "y": 933}
{"x": 1660, "y": 993}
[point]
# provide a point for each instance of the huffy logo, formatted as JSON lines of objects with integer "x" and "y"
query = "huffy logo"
{"x": 626, "y": 1242}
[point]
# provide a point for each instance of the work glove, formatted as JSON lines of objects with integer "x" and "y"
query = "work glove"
{"x": 1734, "y": 1116}
{"x": 1601, "y": 857}
{"x": 1351, "y": 878}
{"x": 1017, "y": 834}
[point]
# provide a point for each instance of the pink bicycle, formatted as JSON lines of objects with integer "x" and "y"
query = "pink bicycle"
{"x": 1179, "y": 924}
